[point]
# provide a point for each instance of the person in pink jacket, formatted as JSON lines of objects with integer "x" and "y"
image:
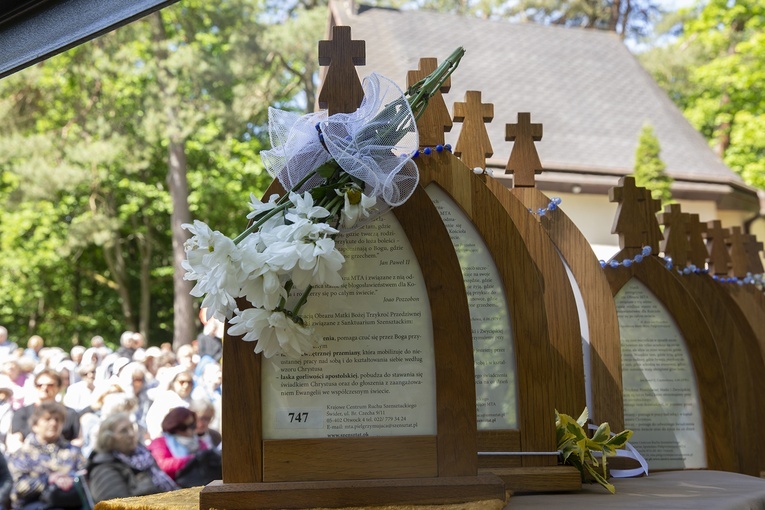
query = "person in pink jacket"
{"x": 178, "y": 445}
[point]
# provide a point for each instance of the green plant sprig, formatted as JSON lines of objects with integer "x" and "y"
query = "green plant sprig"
{"x": 578, "y": 449}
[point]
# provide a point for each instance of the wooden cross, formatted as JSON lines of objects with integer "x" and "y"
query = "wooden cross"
{"x": 753, "y": 249}
{"x": 736, "y": 242}
{"x": 436, "y": 119}
{"x": 719, "y": 258}
{"x": 473, "y": 144}
{"x": 629, "y": 221}
{"x": 697, "y": 250}
{"x": 675, "y": 235}
{"x": 524, "y": 161}
{"x": 651, "y": 206}
{"x": 341, "y": 91}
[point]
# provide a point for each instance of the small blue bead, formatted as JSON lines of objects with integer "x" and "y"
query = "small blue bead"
{"x": 541, "y": 211}
{"x": 348, "y": 138}
{"x": 439, "y": 148}
{"x": 556, "y": 200}
{"x": 318, "y": 126}
{"x": 448, "y": 147}
{"x": 614, "y": 263}
{"x": 416, "y": 153}
{"x": 552, "y": 206}
{"x": 714, "y": 277}
{"x": 647, "y": 251}
{"x": 602, "y": 263}
{"x": 427, "y": 151}
{"x": 739, "y": 282}
{"x": 638, "y": 258}
{"x": 627, "y": 262}
{"x": 669, "y": 264}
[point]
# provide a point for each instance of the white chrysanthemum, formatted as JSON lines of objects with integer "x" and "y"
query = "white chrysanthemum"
{"x": 322, "y": 268}
{"x": 304, "y": 208}
{"x": 214, "y": 262}
{"x": 273, "y": 332}
{"x": 259, "y": 208}
{"x": 357, "y": 206}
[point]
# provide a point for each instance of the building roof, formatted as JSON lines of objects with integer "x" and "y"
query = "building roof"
{"x": 586, "y": 88}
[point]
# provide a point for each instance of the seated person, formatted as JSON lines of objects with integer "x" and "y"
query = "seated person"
{"x": 45, "y": 466}
{"x": 205, "y": 412}
{"x": 6, "y": 484}
{"x": 182, "y": 454}
{"x": 47, "y": 384}
{"x": 120, "y": 466}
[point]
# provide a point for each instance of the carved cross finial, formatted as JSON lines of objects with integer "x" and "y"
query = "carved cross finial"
{"x": 719, "y": 258}
{"x": 473, "y": 144}
{"x": 341, "y": 91}
{"x": 753, "y": 249}
{"x": 650, "y": 207}
{"x": 524, "y": 161}
{"x": 629, "y": 221}
{"x": 675, "y": 235}
{"x": 736, "y": 242}
{"x": 436, "y": 119}
{"x": 697, "y": 249}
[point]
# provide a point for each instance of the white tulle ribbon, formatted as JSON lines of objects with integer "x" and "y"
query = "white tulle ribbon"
{"x": 374, "y": 144}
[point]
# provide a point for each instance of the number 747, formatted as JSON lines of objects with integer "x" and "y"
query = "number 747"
{"x": 298, "y": 417}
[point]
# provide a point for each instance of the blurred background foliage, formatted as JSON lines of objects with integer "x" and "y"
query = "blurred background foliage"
{"x": 94, "y": 141}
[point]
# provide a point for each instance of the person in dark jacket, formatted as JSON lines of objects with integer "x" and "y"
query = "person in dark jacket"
{"x": 120, "y": 467}
{"x": 6, "y": 484}
{"x": 45, "y": 466}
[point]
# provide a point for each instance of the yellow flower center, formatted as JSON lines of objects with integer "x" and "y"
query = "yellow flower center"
{"x": 354, "y": 196}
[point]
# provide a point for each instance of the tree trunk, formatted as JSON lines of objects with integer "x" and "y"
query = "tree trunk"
{"x": 184, "y": 324}
{"x": 144, "y": 307}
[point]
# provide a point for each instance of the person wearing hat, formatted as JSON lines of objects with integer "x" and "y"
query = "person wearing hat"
{"x": 179, "y": 446}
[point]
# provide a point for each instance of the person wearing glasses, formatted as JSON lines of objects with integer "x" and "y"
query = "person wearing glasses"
{"x": 46, "y": 464}
{"x": 47, "y": 386}
{"x": 120, "y": 466}
{"x": 178, "y": 395}
{"x": 181, "y": 454}
{"x": 80, "y": 394}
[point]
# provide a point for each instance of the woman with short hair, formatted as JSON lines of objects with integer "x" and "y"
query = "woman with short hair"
{"x": 120, "y": 466}
{"x": 46, "y": 464}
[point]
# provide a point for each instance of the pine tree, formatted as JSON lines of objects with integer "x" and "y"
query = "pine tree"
{"x": 649, "y": 168}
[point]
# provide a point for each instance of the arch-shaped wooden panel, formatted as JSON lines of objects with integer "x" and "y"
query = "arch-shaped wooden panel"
{"x": 751, "y": 302}
{"x": 524, "y": 289}
{"x": 450, "y": 453}
{"x": 710, "y": 377}
{"x": 560, "y": 303}
{"x": 603, "y": 323}
{"x": 742, "y": 364}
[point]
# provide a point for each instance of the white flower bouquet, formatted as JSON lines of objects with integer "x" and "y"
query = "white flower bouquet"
{"x": 341, "y": 171}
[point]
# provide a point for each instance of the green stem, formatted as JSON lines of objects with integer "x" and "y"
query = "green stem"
{"x": 303, "y": 299}
{"x": 260, "y": 221}
{"x": 283, "y": 300}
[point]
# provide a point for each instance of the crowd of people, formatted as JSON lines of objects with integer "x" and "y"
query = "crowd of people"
{"x": 135, "y": 421}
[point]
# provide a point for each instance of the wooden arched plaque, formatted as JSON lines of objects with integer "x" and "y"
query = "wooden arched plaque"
{"x": 598, "y": 312}
{"x": 503, "y": 282}
{"x": 319, "y": 470}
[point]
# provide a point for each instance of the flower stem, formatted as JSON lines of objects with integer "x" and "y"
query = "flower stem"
{"x": 302, "y": 301}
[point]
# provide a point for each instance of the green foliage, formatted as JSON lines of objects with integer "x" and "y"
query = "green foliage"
{"x": 579, "y": 450}
{"x": 85, "y": 220}
{"x": 715, "y": 72}
{"x": 649, "y": 168}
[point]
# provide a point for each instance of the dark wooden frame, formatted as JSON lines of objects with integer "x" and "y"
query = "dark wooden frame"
{"x": 437, "y": 464}
{"x": 535, "y": 360}
{"x": 710, "y": 376}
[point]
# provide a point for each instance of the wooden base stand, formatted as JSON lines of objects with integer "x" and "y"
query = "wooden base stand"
{"x": 539, "y": 479}
{"x": 337, "y": 494}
